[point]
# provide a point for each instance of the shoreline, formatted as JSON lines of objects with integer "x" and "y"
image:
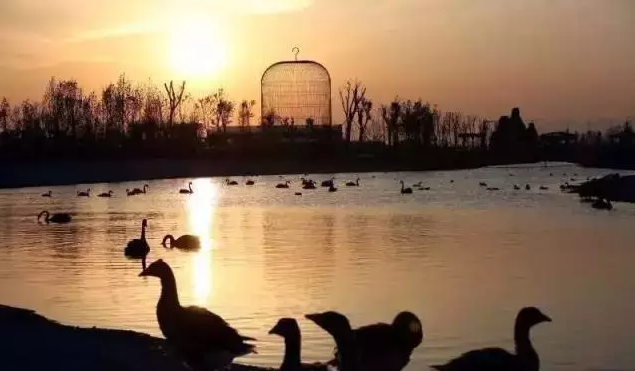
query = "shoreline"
{"x": 34, "y": 342}
{"x": 59, "y": 173}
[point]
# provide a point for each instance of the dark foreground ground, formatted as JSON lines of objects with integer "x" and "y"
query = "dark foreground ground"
{"x": 30, "y": 341}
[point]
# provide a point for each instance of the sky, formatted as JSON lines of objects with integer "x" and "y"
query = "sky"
{"x": 563, "y": 62}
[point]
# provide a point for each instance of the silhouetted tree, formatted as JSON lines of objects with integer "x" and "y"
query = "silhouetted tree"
{"x": 246, "y": 113}
{"x": 175, "y": 98}
{"x": 351, "y": 97}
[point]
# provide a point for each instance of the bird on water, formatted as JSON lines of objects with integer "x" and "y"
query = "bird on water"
{"x": 58, "y": 218}
{"x": 185, "y": 242}
{"x": 338, "y": 326}
{"x": 200, "y": 336}
{"x": 139, "y": 248}
{"x": 498, "y": 359}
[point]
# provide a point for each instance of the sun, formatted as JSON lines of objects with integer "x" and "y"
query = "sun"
{"x": 197, "y": 49}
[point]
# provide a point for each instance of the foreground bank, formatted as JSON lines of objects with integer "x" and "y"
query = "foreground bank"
{"x": 33, "y": 342}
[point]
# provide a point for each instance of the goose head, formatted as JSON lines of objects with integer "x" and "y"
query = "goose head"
{"x": 410, "y": 328}
{"x": 144, "y": 223}
{"x": 157, "y": 269}
{"x": 286, "y": 327}
{"x": 531, "y": 316}
{"x": 336, "y": 324}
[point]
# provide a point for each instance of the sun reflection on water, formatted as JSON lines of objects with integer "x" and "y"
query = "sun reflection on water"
{"x": 200, "y": 216}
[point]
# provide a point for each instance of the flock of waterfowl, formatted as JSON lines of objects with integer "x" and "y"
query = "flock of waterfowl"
{"x": 204, "y": 340}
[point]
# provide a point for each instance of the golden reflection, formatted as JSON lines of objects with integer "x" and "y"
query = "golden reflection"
{"x": 200, "y": 214}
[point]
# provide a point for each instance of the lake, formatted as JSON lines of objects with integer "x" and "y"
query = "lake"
{"x": 462, "y": 258}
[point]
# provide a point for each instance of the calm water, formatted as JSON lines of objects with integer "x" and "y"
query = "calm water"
{"x": 462, "y": 258}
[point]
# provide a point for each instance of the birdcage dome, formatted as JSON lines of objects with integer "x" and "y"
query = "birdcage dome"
{"x": 298, "y": 90}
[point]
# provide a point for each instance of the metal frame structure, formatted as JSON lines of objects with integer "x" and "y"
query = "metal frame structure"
{"x": 298, "y": 89}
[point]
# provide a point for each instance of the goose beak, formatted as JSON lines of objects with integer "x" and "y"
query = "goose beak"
{"x": 143, "y": 273}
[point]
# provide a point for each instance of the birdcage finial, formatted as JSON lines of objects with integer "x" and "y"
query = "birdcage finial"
{"x": 295, "y": 50}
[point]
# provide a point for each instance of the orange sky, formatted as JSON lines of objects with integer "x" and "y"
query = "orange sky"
{"x": 559, "y": 60}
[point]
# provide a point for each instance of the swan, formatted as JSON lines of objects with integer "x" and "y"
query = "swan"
{"x": 106, "y": 194}
{"x": 332, "y": 188}
{"x": 288, "y": 329}
{"x": 230, "y": 182}
{"x": 137, "y": 191}
{"x": 195, "y": 332}
{"x": 59, "y": 218}
{"x": 328, "y": 183}
{"x": 497, "y": 359}
{"x": 516, "y": 187}
{"x": 47, "y": 194}
{"x": 544, "y": 188}
{"x": 338, "y": 326}
{"x": 84, "y": 194}
{"x": 250, "y": 182}
{"x": 185, "y": 242}
{"x": 187, "y": 191}
{"x": 308, "y": 185}
{"x": 385, "y": 346}
{"x": 283, "y": 185}
{"x": 482, "y": 184}
{"x": 353, "y": 184}
{"x": 139, "y": 248}
{"x": 405, "y": 190}
{"x": 602, "y": 204}
{"x": 527, "y": 187}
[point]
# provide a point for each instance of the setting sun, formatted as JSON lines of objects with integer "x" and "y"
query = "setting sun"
{"x": 196, "y": 49}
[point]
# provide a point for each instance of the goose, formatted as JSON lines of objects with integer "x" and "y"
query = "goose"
{"x": 495, "y": 359}
{"x": 58, "y": 218}
{"x": 332, "y": 188}
{"x": 482, "y": 184}
{"x": 84, "y": 194}
{"x": 198, "y": 334}
{"x": 527, "y": 187}
{"x": 298, "y": 193}
{"x": 328, "y": 183}
{"x": 105, "y": 194}
{"x": 383, "y": 346}
{"x": 48, "y": 194}
{"x": 602, "y": 204}
{"x": 516, "y": 187}
{"x": 187, "y": 191}
{"x": 283, "y": 185}
{"x": 405, "y": 190}
{"x": 139, "y": 248}
{"x": 288, "y": 329}
{"x": 250, "y": 182}
{"x": 185, "y": 242}
{"x": 230, "y": 182}
{"x": 544, "y": 188}
{"x": 353, "y": 184}
{"x": 338, "y": 326}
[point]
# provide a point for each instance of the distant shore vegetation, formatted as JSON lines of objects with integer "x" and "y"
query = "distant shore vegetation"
{"x": 128, "y": 120}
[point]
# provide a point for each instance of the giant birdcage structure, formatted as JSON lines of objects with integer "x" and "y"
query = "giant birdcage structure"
{"x": 297, "y": 91}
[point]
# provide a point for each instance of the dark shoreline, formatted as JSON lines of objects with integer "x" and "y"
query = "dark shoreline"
{"x": 90, "y": 171}
{"x": 40, "y": 174}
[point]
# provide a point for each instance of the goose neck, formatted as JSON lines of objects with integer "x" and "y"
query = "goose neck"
{"x": 169, "y": 293}
{"x": 524, "y": 347}
{"x": 292, "y": 355}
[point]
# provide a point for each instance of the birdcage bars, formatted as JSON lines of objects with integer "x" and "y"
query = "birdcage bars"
{"x": 297, "y": 90}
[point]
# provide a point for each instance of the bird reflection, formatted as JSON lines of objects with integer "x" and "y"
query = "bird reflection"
{"x": 200, "y": 212}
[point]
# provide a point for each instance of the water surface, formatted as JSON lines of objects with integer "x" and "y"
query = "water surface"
{"x": 462, "y": 258}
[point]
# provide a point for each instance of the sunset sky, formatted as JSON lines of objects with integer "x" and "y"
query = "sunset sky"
{"x": 559, "y": 60}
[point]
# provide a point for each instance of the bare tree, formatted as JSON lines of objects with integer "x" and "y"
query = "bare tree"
{"x": 246, "y": 113}
{"x": 223, "y": 110}
{"x": 351, "y": 96}
{"x": 363, "y": 117}
{"x": 5, "y": 109}
{"x": 175, "y": 98}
